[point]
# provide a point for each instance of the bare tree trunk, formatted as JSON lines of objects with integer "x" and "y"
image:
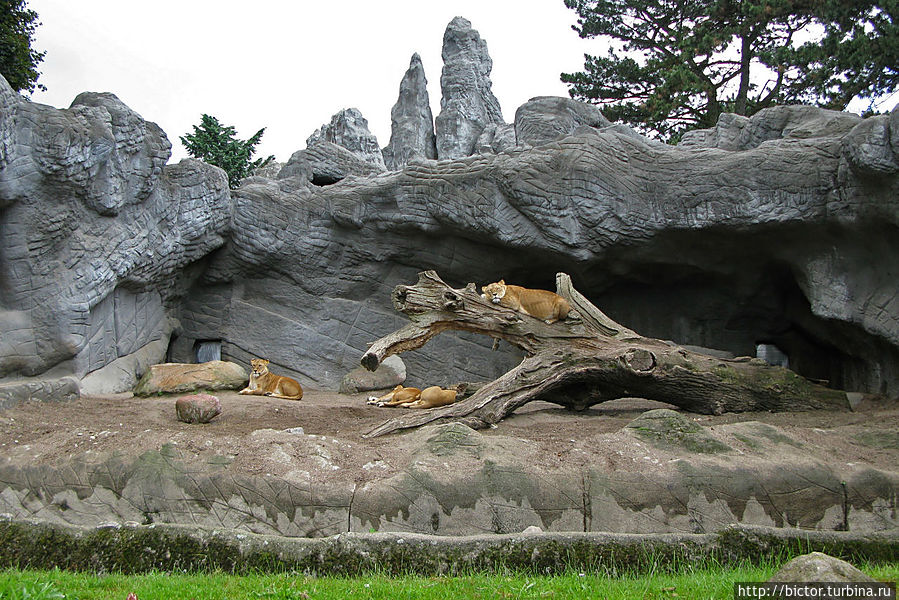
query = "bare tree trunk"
{"x": 583, "y": 360}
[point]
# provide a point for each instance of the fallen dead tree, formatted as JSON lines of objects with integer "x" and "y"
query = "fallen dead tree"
{"x": 583, "y": 360}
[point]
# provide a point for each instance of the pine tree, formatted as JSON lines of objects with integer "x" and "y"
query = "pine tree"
{"x": 218, "y": 145}
{"x": 675, "y": 65}
{"x": 18, "y": 60}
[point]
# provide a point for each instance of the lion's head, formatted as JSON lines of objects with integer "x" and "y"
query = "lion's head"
{"x": 494, "y": 291}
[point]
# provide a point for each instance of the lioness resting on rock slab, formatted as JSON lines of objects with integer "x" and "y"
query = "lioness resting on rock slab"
{"x": 265, "y": 383}
{"x": 542, "y": 304}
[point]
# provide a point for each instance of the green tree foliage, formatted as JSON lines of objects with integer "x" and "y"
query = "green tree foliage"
{"x": 18, "y": 61}
{"x": 216, "y": 144}
{"x": 675, "y": 65}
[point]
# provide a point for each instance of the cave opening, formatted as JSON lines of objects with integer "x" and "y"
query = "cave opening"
{"x": 322, "y": 179}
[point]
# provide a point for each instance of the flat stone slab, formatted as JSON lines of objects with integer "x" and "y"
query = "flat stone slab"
{"x": 177, "y": 378}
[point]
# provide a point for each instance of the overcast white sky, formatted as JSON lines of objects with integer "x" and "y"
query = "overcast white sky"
{"x": 289, "y": 65}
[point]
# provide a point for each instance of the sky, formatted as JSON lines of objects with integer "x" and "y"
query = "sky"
{"x": 287, "y": 65}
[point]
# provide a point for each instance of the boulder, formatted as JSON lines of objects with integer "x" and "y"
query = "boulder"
{"x": 197, "y": 408}
{"x": 411, "y": 120}
{"x": 14, "y": 393}
{"x": 176, "y": 378}
{"x": 547, "y": 118}
{"x": 349, "y": 129}
{"x": 389, "y": 374}
{"x": 817, "y": 567}
{"x": 467, "y": 104}
{"x": 869, "y": 149}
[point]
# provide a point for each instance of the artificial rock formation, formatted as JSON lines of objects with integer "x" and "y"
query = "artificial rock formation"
{"x": 467, "y": 104}
{"x": 96, "y": 231}
{"x": 548, "y": 118}
{"x": 411, "y": 120}
{"x": 349, "y": 129}
{"x": 775, "y": 230}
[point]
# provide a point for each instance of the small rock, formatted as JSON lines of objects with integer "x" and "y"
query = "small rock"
{"x": 818, "y": 567}
{"x": 197, "y": 408}
{"x": 532, "y": 529}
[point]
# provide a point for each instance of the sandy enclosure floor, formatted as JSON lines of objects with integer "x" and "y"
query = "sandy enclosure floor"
{"x": 93, "y": 428}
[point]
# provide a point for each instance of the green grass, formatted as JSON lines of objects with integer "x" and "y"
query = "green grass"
{"x": 700, "y": 583}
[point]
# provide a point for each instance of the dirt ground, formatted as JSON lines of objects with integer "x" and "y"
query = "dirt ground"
{"x": 251, "y": 429}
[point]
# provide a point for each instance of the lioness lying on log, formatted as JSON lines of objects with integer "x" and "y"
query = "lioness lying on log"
{"x": 265, "y": 383}
{"x": 408, "y": 397}
{"x": 541, "y": 304}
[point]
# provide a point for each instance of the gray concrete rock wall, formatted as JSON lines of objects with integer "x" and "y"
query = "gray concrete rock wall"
{"x": 96, "y": 232}
{"x": 778, "y": 229}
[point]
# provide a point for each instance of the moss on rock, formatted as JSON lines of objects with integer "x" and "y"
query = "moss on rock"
{"x": 664, "y": 427}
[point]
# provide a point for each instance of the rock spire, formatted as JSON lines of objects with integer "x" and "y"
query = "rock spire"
{"x": 467, "y": 104}
{"x": 411, "y": 120}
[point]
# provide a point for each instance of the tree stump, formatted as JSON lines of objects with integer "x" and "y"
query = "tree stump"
{"x": 581, "y": 361}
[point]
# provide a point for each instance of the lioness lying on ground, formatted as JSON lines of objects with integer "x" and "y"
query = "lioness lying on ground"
{"x": 265, "y": 383}
{"x": 542, "y": 304}
{"x": 398, "y": 396}
{"x": 409, "y": 397}
{"x": 432, "y": 397}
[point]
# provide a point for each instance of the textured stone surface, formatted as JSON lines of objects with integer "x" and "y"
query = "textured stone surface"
{"x": 42, "y": 390}
{"x": 411, "y": 120}
{"x": 197, "y": 408}
{"x": 95, "y": 232}
{"x": 467, "y": 103}
{"x": 123, "y": 373}
{"x": 669, "y": 428}
{"x": 173, "y": 378}
{"x": 451, "y": 480}
{"x": 390, "y": 373}
{"x": 734, "y": 132}
{"x": 324, "y": 163}
{"x": 817, "y": 567}
{"x": 869, "y": 148}
{"x": 349, "y": 129}
{"x": 547, "y": 118}
{"x": 777, "y": 229}
{"x": 496, "y": 137}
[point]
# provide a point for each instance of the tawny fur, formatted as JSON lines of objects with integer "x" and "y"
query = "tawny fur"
{"x": 265, "y": 383}
{"x": 398, "y": 396}
{"x": 432, "y": 397}
{"x": 541, "y": 304}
